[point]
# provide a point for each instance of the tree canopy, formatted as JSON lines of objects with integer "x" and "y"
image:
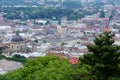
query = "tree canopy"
{"x": 104, "y": 57}
{"x": 49, "y": 68}
{"x": 15, "y": 57}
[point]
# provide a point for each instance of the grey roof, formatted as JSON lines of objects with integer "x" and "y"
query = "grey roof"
{"x": 17, "y": 39}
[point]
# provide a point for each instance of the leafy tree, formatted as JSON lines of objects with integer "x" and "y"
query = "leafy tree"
{"x": 102, "y": 14}
{"x": 81, "y": 71}
{"x": 43, "y": 13}
{"x": 78, "y": 42}
{"x": 1, "y": 50}
{"x": 17, "y": 33}
{"x": 2, "y": 77}
{"x": 49, "y": 68}
{"x": 36, "y": 41}
{"x": 15, "y": 57}
{"x": 63, "y": 43}
{"x": 103, "y": 57}
{"x": 18, "y": 58}
{"x": 2, "y": 56}
{"x": 44, "y": 41}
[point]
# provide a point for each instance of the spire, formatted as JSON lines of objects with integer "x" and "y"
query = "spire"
{"x": 17, "y": 33}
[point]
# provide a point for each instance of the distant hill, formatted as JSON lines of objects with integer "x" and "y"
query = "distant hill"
{"x": 114, "y": 1}
{"x": 10, "y": 2}
{"x": 14, "y": 2}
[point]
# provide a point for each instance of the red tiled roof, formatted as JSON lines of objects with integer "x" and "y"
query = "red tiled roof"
{"x": 74, "y": 60}
{"x": 106, "y": 29}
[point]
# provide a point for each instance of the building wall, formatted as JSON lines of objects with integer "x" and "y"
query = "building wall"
{"x": 16, "y": 46}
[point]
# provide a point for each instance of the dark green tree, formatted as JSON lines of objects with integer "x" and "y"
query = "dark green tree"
{"x": 2, "y": 56}
{"x": 0, "y": 50}
{"x": 103, "y": 57}
{"x": 2, "y": 77}
{"x": 36, "y": 41}
{"x": 17, "y": 33}
{"x": 102, "y": 14}
{"x": 18, "y": 58}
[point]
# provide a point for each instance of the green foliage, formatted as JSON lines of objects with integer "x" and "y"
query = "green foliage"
{"x": 17, "y": 33}
{"x": 15, "y": 2}
{"x": 43, "y": 13}
{"x": 2, "y": 77}
{"x": 18, "y": 58}
{"x": 78, "y": 42}
{"x": 63, "y": 43}
{"x": 0, "y": 50}
{"x": 103, "y": 57}
{"x": 2, "y": 56}
{"x": 15, "y": 57}
{"x": 44, "y": 41}
{"x": 81, "y": 72}
{"x": 102, "y": 14}
{"x": 36, "y": 41}
{"x": 49, "y": 68}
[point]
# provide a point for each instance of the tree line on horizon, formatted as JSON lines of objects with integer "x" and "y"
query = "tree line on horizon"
{"x": 43, "y": 13}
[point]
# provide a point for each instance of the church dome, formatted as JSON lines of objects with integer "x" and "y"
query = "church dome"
{"x": 17, "y": 38}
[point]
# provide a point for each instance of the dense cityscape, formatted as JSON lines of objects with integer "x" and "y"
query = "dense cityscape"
{"x": 53, "y": 39}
